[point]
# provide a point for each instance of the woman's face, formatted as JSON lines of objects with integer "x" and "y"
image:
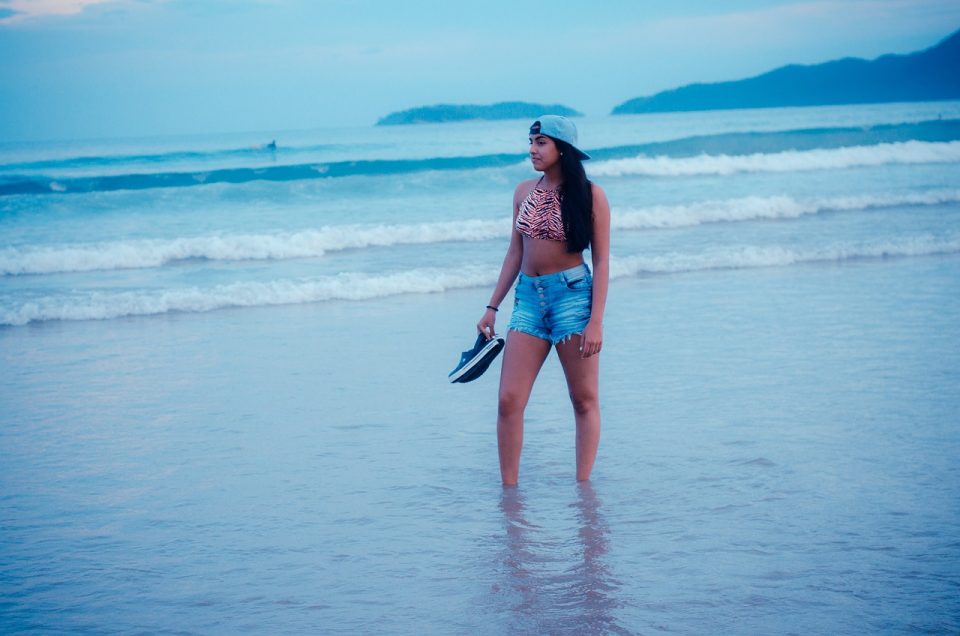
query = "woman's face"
{"x": 544, "y": 153}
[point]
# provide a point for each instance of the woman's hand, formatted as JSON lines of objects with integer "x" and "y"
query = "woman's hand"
{"x": 486, "y": 324}
{"x": 592, "y": 339}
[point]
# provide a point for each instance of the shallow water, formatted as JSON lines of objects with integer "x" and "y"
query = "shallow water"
{"x": 778, "y": 456}
{"x": 224, "y": 408}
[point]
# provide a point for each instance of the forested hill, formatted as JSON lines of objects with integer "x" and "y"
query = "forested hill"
{"x": 929, "y": 75}
{"x": 463, "y": 112}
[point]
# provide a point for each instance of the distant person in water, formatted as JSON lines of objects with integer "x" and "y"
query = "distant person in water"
{"x": 270, "y": 146}
{"x": 558, "y": 301}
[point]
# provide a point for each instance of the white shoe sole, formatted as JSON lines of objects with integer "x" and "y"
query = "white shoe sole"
{"x": 481, "y": 355}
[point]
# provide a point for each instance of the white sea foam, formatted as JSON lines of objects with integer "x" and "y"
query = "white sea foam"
{"x": 275, "y": 246}
{"x": 314, "y": 243}
{"x": 777, "y": 256}
{"x": 351, "y": 286}
{"x": 907, "y": 152}
{"x": 347, "y": 286}
{"x": 768, "y": 208}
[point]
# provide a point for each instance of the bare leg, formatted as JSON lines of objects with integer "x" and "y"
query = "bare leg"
{"x": 583, "y": 382}
{"x": 522, "y": 358}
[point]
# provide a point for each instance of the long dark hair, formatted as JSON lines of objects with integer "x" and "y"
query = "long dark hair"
{"x": 576, "y": 206}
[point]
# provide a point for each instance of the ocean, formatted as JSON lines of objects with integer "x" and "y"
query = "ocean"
{"x": 225, "y": 407}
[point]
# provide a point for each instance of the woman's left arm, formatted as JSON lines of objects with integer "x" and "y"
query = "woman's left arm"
{"x": 592, "y": 340}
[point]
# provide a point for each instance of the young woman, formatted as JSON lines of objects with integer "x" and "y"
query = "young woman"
{"x": 558, "y": 302}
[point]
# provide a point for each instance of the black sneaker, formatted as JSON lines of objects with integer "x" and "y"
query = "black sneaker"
{"x": 474, "y": 362}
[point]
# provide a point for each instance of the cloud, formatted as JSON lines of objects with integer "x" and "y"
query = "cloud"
{"x": 14, "y": 11}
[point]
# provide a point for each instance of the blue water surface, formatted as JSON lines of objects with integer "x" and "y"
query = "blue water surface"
{"x": 224, "y": 407}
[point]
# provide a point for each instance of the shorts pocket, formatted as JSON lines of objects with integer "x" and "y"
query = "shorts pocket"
{"x": 584, "y": 282}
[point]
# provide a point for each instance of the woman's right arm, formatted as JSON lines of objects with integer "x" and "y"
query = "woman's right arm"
{"x": 508, "y": 271}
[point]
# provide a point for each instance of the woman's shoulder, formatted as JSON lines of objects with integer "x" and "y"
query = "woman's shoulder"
{"x": 600, "y": 204}
{"x": 527, "y": 185}
{"x": 597, "y": 192}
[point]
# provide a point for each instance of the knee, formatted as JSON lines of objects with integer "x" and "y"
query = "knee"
{"x": 584, "y": 402}
{"x": 511, "y": 403}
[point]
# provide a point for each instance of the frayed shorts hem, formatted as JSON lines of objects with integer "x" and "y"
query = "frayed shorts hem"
{"x": 552, "y": 341}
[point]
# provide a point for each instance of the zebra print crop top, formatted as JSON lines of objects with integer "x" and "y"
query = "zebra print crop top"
{"x": 539, "y": 215}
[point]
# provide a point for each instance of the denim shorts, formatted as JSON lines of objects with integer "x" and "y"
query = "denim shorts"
{"x": 553, "y": 307}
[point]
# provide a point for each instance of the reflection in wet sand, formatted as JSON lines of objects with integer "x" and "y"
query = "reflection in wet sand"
{"x": 559, "y": 584}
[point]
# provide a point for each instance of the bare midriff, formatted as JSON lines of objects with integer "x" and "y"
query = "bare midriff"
{"x": 541, "y": 257}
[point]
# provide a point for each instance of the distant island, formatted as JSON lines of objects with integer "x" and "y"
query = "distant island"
{"x": 929, "y": 75}
{"x": 463, "y": 112}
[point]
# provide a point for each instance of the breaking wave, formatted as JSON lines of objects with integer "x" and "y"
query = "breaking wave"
{"x": 756, "y": 208}
{"x": 351, "y": 286}
{"x": 776, "y": 256}
{"x": 907, "y": 152}
{"x": 304, "y": 244}
{"x": 723, "y": 153}
{"x": 136, "y": 254}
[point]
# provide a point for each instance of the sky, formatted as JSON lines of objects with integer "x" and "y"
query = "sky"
{"x": 86, "y": 69}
